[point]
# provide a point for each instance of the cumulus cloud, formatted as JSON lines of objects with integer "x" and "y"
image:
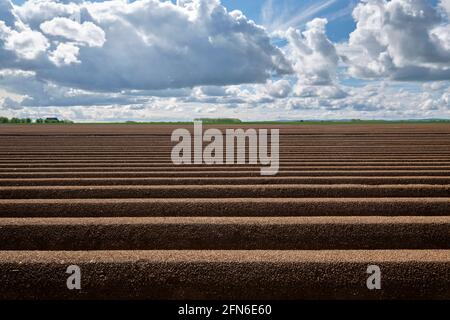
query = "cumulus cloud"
{"x": 279, "y": 89}
{"x": 142, "y": 45}
{"x": 9, "y": 103}
{"x": 65, "y": 54}
{"x": 34, "y": 92}
{"x": 26, "y": 43}
{"x": 399, "y": 39}
{"x": 435, "y": 85}
{"x": 314, "y": 56}
{"x": 211, "y": 91}
{"x": 446, "y": 5}
{"x": 85, "y": 33}
{"x": 324, "y": 92}
{"x": 154, "y": 59}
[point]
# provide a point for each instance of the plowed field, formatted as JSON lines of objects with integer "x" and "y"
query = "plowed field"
{"x": 108, "y": 199}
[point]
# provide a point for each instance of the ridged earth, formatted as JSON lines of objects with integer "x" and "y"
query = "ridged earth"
{"x": 108, "y": 199}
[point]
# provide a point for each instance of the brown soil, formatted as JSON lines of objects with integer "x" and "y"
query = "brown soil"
{"x": 108, "y": 198}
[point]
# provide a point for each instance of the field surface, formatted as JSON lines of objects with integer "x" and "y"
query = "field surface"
{"x": 108, "y": 199}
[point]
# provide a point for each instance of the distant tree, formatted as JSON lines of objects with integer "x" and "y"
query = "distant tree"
{"x": 29, "y": 120}
{"x": 51, "y": 120}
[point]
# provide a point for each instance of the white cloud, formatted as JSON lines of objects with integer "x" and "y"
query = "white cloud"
{"x": 12, "y": 104}
{"x": 26, "y": 43}
{"x": 35, "y": 92}
{"x": 313, "y": 55}
{"x": 211, "y": 91}
{"x": 446, "y": 5}
{"x": 399, "y": 39}
{"x": 324, "y": 92}
{"x": 65, "y": 54}
{"x": 279, "y": 89}
{"x": 85, "y": 33}
{"x": 435, "y": 85}
{"x": 142, "y": 45}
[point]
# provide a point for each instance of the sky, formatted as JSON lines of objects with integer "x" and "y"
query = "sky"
{"x": 150, "y": 60}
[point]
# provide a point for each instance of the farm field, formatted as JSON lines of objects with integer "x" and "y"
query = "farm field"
{"x": 108, "y": 199}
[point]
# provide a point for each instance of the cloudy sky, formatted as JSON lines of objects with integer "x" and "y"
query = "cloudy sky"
{"x": 250, "y": 59}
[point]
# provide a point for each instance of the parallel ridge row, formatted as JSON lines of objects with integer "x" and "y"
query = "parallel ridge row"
{"x": 108, "y": 198}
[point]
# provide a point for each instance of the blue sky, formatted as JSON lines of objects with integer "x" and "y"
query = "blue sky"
{"x": 156, "y": 60}
{"x": 338, "y": 13}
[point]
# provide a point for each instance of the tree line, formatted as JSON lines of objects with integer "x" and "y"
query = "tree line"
{"x": 29, "y": 120}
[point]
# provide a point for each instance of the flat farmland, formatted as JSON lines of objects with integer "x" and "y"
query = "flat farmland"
{"x": 109, "y": 199}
